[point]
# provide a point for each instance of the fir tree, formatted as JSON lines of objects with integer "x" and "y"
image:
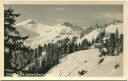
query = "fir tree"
{"x": 13, "y": 41}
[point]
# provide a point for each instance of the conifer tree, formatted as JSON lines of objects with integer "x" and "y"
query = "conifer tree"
{"x": 12, "y": 39}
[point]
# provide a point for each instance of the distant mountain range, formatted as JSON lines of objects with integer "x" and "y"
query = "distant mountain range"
{"x": 40, "y": 34}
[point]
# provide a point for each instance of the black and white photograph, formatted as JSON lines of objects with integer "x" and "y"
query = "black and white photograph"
{"x": 63, "y": 40}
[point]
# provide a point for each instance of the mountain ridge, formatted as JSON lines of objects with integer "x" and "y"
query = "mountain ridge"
{"x": 47, "y": 34}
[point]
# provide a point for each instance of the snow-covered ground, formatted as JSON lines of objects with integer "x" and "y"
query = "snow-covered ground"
{"x": 112, "y": 28}
{"x": 87, "y": 60}
{"x": 90, "y": 36}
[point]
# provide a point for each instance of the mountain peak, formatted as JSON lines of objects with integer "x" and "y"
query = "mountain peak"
{"x": 30, "y": 21}
{"x": 67, "y": 24}
{"x": 116, "y": 21}
{"x": 73, "y": 26}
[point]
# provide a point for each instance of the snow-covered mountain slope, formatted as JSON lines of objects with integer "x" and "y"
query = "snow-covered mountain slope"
{"x": 43, "y": 34}
{"x": 33, "y": 25}
{"x": 87, "y": 60}
{"x": 49, "y": 33}
{"x": 112, "y": 28}
{"x": 92, "y": 35}
{"x": 109, "y": 29}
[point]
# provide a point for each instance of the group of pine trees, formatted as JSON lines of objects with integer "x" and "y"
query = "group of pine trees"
{"x": 13, "y": 41}
{"x": 43, "y": 58}
{"x": 110, "y": 44}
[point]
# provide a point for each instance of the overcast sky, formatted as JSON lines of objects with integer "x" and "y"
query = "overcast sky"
{"x": 82, "y": 15}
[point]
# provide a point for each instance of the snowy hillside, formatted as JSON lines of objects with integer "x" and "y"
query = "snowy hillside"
{"x": 87, "y": 61}
{"x": 112, "y": 28}
{"x": 109, "y": 29}
{"x": 92, "y": 35}
{"x": 49, "y": 33}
